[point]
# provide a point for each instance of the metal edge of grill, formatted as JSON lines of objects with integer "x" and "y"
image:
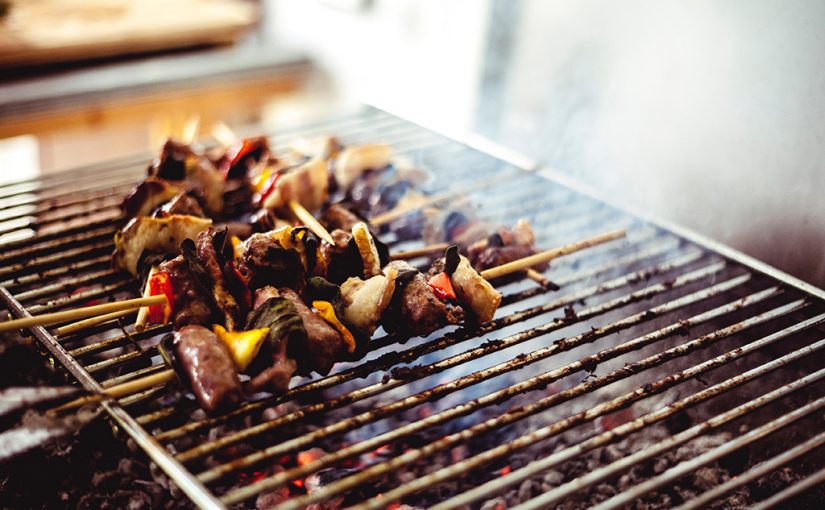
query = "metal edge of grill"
{"x": 194, "y": 487}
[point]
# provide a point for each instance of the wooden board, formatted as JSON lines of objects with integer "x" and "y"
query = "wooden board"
{"x": 46, "y": 31}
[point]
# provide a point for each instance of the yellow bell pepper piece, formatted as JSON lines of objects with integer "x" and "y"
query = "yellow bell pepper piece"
{"x": 242, "y": 345}
{"x": 327, "y": 312}
{"x": 263, "y": 179}
{"x": 236, "y": 246}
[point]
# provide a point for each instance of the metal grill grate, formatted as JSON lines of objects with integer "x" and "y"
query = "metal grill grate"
{"x": 645, "y": 332}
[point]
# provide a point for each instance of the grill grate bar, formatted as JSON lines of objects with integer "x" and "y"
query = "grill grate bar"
{"x": 457, "y": 337}
{"x": 685, "y": 467}
{"x": 755, "y": 473}
{"x": 559, "y": 493}
{"x": 511, "y": 416}
{"x": 55, "y": 273}
{"x": 388, "y": 410}
{"x": 815, "y": 480}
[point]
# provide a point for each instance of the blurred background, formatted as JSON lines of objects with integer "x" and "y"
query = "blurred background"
{"x": 710, "y": 114}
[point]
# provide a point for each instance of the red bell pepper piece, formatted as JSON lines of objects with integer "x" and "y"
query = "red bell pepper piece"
{"x": 442, "y": 286}
{"x": 269, "y": 189}
{"x": 161, "y": 284}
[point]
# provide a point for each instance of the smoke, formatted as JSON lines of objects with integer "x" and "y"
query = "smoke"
{"x": 707, "y": 114}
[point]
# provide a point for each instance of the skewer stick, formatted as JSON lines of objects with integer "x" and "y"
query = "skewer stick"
{"x": 398, "y": 212}
{"x": 537, "y": 277}
{"x": 120, "y": 390}
{"x": 548, "y": 255}
{"x": 419, "y": 252}
{"x": 143, "y": 313}
{"x": 309, "y": 220}
{"x": 94, "y": 321}
{"x": 81, "y": 313}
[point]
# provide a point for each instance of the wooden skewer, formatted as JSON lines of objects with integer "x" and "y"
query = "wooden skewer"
{"x": 548, "y": 255}
{"x": 309, "y": 220}
{"x": 418, "y": 252}
{"x": 94, "y": 321}
{"x": 81, "y": 313}
{"x": 537, "y": 277}
{"x": 143, "y": 313}
{"x": 398, "y": 212}
{"x": 120, "y": 390}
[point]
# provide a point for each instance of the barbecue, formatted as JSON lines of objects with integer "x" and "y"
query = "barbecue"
{"x": 662, "y": 368}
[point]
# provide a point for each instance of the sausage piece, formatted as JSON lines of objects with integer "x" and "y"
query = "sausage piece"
{"x": 209, "y": 367}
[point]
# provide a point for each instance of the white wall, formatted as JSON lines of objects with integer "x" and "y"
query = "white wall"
{"x": 710, "y": 113}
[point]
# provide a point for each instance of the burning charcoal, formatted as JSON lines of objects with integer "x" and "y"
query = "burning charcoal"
{"x": 267, "y": 500}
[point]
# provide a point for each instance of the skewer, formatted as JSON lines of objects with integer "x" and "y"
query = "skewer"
{"x": 523, "y": 264}
{"x": 223, "y": 134}
{"x": 548, "y": 255}
{"x": 120, "y": 390}
{"x": 419, "y": 252}
{"x": 94, "y": 321}
{"x": 143, "y": 313}
{"x": 309, "y": 220}
{"x": 398, "y": 212}
{"x": 81, "y": 313}
{"x": 537, "y": 277}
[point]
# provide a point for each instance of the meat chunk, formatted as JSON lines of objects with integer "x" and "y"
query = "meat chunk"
{"x": 504, "y": 246}
{"x": 324, "y": 344}
{"x": 162, "y": 235}
{"x": 342, "y": 261}
{"x": 338, "y": 216}
{"x": 415, "y": 309}
{"x": 213, "y": 263}
{"x": 180, "y": 165}
{"x": 147, "y": 196}
{"x": 266, "y": 262}
{"x": 474, "y": 292}
{"x": 209, "y": 368}
{"x": 182, "y": 203}
{"x": 191, "y": 305}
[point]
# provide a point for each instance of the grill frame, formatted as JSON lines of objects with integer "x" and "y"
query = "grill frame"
{"x": 135, "y": 428}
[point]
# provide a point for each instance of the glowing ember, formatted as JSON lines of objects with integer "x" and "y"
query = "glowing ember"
{"x": 505, "y": 470}
{"x": 309, "y": 456}
{"x": 380, "y": 451}
{"x": 613, "y": 420}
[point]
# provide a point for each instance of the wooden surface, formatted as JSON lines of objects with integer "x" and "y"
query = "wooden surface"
{"x": 48, "y": 31}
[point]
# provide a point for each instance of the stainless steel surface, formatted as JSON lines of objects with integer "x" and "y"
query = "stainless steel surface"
{"x": 624, "y": 307}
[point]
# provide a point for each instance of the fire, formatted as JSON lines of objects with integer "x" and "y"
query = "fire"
{"x": 310, "y": 456}
{"x": 505, "y": 470}
{"x": 381, "y": 450}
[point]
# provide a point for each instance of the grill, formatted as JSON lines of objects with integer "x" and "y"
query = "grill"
{"x": 661, "y": 359}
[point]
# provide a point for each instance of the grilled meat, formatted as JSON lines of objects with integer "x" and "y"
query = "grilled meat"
{"x": 266, "y": 262}
{"x": 415, "y": 309}
{"x": 182, "y": 203}
{"x": 339, "y": 216}
{"x": 213, "y": 261}
{"x": 147, "y": 196}
{"x": 162, "y": 235}
{"x": 504, "y": 246}
{"x": 209, "y": 368}
{"x": 323, "y": 346}
{"x": 273, "y": 368}
{"x": 180, "y": 165}
{"x": 191, "y": 305}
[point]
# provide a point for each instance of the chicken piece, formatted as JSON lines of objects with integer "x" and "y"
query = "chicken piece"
{"x": 366, "y": 300}
{"x": 155, "y": 235}
{"x": 474, "y": 292}
{"x": 308, "y": 185}
{"x": 213, "y": 262}
{"x": 415, "y": 310}
{"x": 323, "y": 346}
{"x": 147, "y": 196}
{"x": 208, "y": 366}
{"x": 192, "y": 306}
{"x": 354, "y": 161}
